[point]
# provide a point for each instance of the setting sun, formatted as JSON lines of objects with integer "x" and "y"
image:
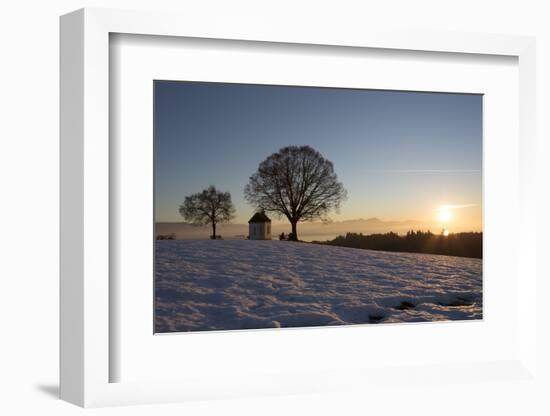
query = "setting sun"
{"x": 444, "y": 214}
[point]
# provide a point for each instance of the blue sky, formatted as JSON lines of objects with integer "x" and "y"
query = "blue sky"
{"x": 400, "y": 155}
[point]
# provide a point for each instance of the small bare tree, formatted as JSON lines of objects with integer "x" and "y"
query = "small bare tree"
{"x": 208, "y": 207}
{"x": 298, "y": 183}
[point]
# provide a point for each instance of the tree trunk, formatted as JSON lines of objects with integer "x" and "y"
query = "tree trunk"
{"x": 294, "y": 233}
{"x": 213, "y": 230}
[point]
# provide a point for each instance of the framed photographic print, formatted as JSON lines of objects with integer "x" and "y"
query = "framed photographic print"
{"x": 308, "y": 206}
{"x": 270, "y": 212}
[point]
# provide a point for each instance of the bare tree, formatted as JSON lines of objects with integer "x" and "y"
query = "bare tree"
{"x": 296, "y": 183}
{"x": 208, "y": 207}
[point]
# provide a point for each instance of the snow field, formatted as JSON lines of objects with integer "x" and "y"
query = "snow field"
{"x": 240, "y": 284}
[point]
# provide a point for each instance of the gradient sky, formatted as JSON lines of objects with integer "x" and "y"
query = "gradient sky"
{"x": 400, "y": 155}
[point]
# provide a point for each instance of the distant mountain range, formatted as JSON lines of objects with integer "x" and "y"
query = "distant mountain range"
{"x": 306, "y": 231}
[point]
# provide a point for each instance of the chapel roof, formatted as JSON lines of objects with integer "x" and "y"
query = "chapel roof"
{"x": 259, "y": 217}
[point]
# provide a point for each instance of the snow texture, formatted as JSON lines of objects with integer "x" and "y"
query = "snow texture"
{"x": 232, "y": 284}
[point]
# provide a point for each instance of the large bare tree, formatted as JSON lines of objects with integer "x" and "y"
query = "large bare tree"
{"x": 208, "y": 207}
{"x": 298, "y": 183}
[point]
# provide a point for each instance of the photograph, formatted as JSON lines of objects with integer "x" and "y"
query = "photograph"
{"x": 281, "y": 206}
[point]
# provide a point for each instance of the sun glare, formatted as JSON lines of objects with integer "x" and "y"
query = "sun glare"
{"x": 444, "y": 214}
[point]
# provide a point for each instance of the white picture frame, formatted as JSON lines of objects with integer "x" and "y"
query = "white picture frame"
{"x": 86, "y": 356}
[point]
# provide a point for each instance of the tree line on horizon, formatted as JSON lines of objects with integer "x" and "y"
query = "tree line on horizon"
{"x": 465, "y": 244}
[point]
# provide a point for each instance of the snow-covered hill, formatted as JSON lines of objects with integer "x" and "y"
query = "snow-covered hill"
{"x": 219, "y": 285}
